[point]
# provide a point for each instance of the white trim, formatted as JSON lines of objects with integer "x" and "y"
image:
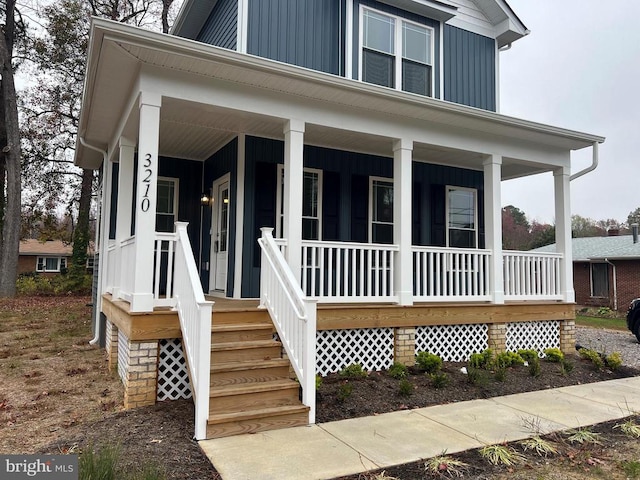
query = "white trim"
{"x": 348, "y": 43}
{"x": 497, "y": 76}
{"x": 398, "y": 56}
{"x": 242, "y": 32}
{"x": 370, "y": 215}
{"x": 441, "y": 62}
{"x": 59, "y": 266}
{"x": 240, "y": 173}
{"x": 280, "y": 196}
{"x": 226, "y": 178}
{"x": 450, "y": 188}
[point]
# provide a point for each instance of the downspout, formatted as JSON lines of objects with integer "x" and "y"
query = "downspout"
{"x": 96, "y": 319}
{"x": 590, "y": 168}
{"x": 615, "y": 285}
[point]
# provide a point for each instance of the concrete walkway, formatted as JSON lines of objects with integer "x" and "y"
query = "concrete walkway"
{"x": 347, "y": 447}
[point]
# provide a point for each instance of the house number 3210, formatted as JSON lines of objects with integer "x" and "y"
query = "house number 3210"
{"x": 146, "y": 183}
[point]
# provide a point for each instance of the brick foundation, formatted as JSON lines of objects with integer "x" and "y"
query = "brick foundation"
{"x": 405, "y": 345}
{"x": 141, "y": 378}
{"x": 497, "y": 337}
{"x": 567, "y": 336}
{"x": 111, "y": 345}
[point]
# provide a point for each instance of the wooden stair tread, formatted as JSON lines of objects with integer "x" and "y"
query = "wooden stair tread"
{"x": 249, "y": 365}
{"x": 257, "y": 387}
{"x": 215, "y": 347}
{"x": 257, "y": 413}
{"x": 237, "y": 327}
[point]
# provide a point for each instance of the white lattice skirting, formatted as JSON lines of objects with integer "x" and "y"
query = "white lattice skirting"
{"x": 533, "y": 335}
{"x": 453, "y": 343}
{"x": 370, "y": 347}
{"x": 173, "y": 378}
{"x": 123, "y": 355}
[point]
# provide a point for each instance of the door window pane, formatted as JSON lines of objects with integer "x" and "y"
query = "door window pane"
{"x": 224, "y": 219}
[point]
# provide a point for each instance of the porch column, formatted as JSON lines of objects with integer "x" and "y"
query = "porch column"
{"x": 493, "y": 225}
{"x": 293, "y": 178}
{"x": 123, "y": 214}
{"x": 403, "y": 265}
{"x": 147, "y": 184}
{"x": 561, "y": 179}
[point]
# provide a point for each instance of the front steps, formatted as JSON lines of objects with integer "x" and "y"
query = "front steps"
{"x": 251, "y": 390}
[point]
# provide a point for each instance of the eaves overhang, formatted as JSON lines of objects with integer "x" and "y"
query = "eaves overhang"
{"x": 436, "y": 10}
{"x": 191, "y": 18}
{"x": 117, "y": 52}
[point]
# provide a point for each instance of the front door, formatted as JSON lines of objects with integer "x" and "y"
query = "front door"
{"x": 220, "y": 235}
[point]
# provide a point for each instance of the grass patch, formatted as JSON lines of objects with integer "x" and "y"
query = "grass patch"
{"x": 597, "y": 322}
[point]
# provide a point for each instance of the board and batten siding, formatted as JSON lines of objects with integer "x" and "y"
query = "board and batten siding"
{"x": 469, "y": 68}
{"x": 306, "y": 33}
{"x": 221, "y": 27}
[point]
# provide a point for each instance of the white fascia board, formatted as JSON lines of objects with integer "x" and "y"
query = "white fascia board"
{"x": 437, "y": 10}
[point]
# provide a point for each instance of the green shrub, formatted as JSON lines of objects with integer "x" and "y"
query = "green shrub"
{"x": 344, "y": 391}
{"x": 428, "y": 362}
{"x": 554, "y": 355}
{"x": 508, "y": 359}
{"x": 94, "y": 465}
{"x": 614, "y": 361}
{"x": 398, "y": 371}
{"x": 477, "y": 377}
{"x": 318, "y": 381}
{"x": 353, "y": 371}
{"x": 500, "y": 374}
{"x": 440, "y": 380}
{"x": 528, "y": 355}
{"x": 534, "y": 368}
{"x": 63, "y": 284}
{"x": 566, "y": 367}
{"x": 482, "y": 360}
{"x": 405, "y": 388}
{"x": 593, "y": 356}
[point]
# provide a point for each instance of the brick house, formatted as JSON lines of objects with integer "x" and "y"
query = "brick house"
{"x": 47, "y": 258}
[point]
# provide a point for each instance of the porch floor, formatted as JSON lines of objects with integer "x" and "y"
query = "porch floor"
{"x": 349, "y": 447}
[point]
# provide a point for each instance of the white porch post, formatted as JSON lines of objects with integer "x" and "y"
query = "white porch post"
{"x": 125, "y": 199}
{"x": 293, "y": 179}
{"x": 493, "y": 225}
{"x": 102, "y": 234}
{"x": 142, "y": 299}
{"x": 403, "y": 265}
{"x": 561, "y": 179}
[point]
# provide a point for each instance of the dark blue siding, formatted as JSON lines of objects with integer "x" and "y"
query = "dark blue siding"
{"x": 345, "y": 197}
{"x": 469, "y": 68}
{"x": 403, "y": 14}
{"x": 221, "y": 27}
{"x": 222, "y": 162}
{"x": 306, "y": 33}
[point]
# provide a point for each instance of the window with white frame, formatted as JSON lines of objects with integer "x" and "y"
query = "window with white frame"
{"x": 381, "y": 210}
{"x": 462, "y": 218}
{"x": 395, "y": 52}
{"x": 167, "y": 204}
{"x": 311, "y": 204}
{"x": 599, "y": 280}
{"x": 51, "y": 264}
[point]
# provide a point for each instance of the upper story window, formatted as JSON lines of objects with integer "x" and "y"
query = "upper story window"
{"x": 462, "y": 224}
{"x": 167, "y": 206}
{"x": 396, "y": 53}
{"x": 51, "y": 264}
{"x": 381, "y": 208}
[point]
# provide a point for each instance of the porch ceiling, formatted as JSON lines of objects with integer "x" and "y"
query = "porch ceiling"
{"x": 195, "y": 130}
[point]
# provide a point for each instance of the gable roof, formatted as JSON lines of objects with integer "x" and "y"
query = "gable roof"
{"x": 601, "y": 248}
{"x": 32, "y": 246}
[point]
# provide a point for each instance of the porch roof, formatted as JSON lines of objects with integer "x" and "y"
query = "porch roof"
{"x": 118, "y": 53}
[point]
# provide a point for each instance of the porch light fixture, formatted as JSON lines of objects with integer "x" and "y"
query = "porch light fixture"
{"x": 205, "y": 199}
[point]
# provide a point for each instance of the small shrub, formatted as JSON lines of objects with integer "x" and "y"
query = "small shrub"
{"x": 477, "y": 377}
{"x": 500, "y": 374}
{"x": 428, "y": 362}
{"x": 398, "y": 371}
{"x": 566, "y": 367}
{"x": 593, "y": 356}
{"x": 354, "y": 370}
{"x": 405, "y": 388}
{"x": 149, "y": 472}
{"x": 630, "y": 428}
{"x": 445, "y": 465}
{"x": 481, "y": 360}
{"x": 318, "y": 381}
{"x": 604, "y": 312}
{"x": 528, "y": 355}
{"x": 554, "y": 355}
{"x": 99, "y": 464}
{"x": 614, "y": 361}
{"x": 540, "y": 446}
{"x": 440, "y": 380}
{"x": 584, "y": 436}
{"x": 534, "y": 368}
{"x": 344, "y": 391}
{"x": 501, "y": 455}
{"x": 508, "y": 359}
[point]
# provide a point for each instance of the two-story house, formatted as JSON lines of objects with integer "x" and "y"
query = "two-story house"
{"x": 339, "y": 160}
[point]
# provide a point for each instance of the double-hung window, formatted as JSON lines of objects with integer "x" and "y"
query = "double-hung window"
{"x": 462, "y": 218}
{"x": 167, "y": 204}
{"x": 311, "y": 203}
{"x": 381, "y": 208}
{"x": 396, "y": 53}
{"x": 51, "y": 264}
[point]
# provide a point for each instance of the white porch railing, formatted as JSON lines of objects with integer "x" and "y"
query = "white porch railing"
{"x": 110, "y": 264}
{"x": 127, "y": 268}
{"x": 532, "y": 276}
{"x": 342, "y": 272}
{"x": 293, "y": 315}
{"x": 164, "y": 264}
{"x": 195, "y": 322}
{"x": 450, "y": 274}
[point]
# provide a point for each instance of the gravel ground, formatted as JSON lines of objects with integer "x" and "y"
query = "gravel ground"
{"x": 608, "y": 341}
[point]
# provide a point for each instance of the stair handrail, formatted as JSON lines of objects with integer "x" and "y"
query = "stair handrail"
{"x": 293, "y": 314}
{"x": 195, "y": 323}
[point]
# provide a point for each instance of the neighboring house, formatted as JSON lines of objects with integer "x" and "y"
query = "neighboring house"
{"x": 341, "y": 161}
{"x": 606, "y": 270}
{"x": 48, "y": 258}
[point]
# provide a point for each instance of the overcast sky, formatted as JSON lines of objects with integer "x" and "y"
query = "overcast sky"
{"x": 579, "y": 68}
